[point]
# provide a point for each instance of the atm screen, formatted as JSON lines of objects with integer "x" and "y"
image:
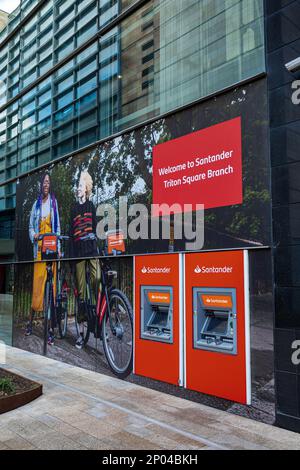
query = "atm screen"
{"x": 159, "y": 318}
{"x": 216, "y": 326}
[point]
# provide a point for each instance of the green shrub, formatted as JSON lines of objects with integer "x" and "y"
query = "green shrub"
{"x": 6, "y": 385}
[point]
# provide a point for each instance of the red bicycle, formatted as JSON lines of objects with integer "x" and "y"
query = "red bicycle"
{"x": 108, "y": 316}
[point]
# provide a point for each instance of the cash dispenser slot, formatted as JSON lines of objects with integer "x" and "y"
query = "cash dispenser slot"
{"x": 215, "y": 325}
{"x": 157, "y": 314}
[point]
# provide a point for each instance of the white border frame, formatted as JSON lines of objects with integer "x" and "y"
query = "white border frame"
{"x": 134, "y": 319}
{"x": 247, "y": 327}
{"x": 182, "y": 342}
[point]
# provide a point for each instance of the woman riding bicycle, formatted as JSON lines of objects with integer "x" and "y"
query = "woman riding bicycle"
{"x": 84, "y": 245}
{"x": 44, "y": 218}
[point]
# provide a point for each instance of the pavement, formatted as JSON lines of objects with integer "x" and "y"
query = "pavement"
{"x": 82, "y": 409}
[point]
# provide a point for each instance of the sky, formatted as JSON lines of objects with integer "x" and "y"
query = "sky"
{"x": 9, "y": 5}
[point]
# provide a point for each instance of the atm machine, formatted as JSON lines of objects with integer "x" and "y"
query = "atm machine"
{"x": 158, "y": 318}
{"x": 217, "y": 325}
{"x": 215, "y": 320}
{"x": 157, "y": 313}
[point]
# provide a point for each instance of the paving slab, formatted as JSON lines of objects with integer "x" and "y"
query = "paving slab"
{"x": 82, "y": 409}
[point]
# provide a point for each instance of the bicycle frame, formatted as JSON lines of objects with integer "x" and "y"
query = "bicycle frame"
{"x": 59, "y": 284}
{"x": 49, "y": 280}
{"x": 54, "y": 297}
{"x": 102, "y": 296}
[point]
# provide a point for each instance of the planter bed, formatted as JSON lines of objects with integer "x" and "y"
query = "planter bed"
{"x": 25, "y": 391}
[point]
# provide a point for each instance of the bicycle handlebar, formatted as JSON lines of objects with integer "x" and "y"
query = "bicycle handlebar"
{"x": 90, "y": 236}
{"x": 59, "y": 237}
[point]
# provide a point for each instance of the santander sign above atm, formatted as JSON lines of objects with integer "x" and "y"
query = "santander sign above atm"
{"x": 213, "y": 270}
{"x": 155, "y": 270}
{"x": 204, "y": 167}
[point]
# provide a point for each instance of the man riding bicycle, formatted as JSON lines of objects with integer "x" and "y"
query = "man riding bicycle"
{"x": 84, "y": 245}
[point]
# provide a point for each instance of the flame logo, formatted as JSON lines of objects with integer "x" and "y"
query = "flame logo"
{"x": 144, "y": 270}
{"x": 198, "y": 270}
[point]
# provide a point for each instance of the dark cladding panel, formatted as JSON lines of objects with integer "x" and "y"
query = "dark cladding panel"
{"x": 283, "y": 33}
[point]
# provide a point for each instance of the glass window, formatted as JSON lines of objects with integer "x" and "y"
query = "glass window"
{"x": 28, "y": 107}
{"x": 45, "y": 65}
{"x": 88, "y": 102}
{"x": 63, "y": 132}
{"x": 63, "y": 115}
{"x": 46, "y": 21}
{"x": 63, "y": 5}
{"x": 44, "y": 157}
{"x": 28, "y": 122}
{"x": 44, "y": 112}
{"x": 11, "y": 120}
{"x": 64, "y": 148}
{"x": 167, "y": 54}
{"x": 12, "y": 132}
{"x": 28, "y": 37}
{"x": 65, "y": 34}
{"x": 29, "y": 78}
{"x": 65, "y": 49}
{"x": 87, "y": 86}
{"x": 87, "y": 137}
{"x": 44, "y": 126}
{"x": 67, "y": 17}
{"x": 13, "y": 91}
{"x": 88, "y": 31}
{"x": 46, "y": 38}
{"x": 88, "y": 15}
{"x": 170, "y": 53}
{"x": 86, "y": 69}
{"x": 64, "y": 99}
{"x": 64, "y": 84}
{"x": 44, "y": 97}
{"x": 106, "y": 15}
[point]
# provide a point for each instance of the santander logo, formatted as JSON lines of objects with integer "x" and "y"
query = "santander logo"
{"x": 213, "y": 270}
{"x": 155, "y": 270}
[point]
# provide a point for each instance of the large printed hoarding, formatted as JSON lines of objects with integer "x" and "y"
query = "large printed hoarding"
{"x": 123, "y": 167}
{"x": 224, "y": 143}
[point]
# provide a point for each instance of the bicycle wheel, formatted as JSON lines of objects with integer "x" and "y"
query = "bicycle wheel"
{"x": 118, "y": 344}
{"x": 47, "y": 314}
{"x": 82, "y": 327}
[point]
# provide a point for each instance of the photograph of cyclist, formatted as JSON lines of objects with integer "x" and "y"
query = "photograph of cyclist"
{"x": 44, "y": 218}
{"x": 84, "y": 245}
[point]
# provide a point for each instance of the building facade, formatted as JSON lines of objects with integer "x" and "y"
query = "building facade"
{"x": 3, "y": 19}
{"x": 99, "y": 83}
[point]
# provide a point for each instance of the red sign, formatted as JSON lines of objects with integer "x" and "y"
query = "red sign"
{"x": 204, "y": 167}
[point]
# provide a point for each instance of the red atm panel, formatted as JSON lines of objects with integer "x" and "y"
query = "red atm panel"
{"x": 217, "y": 355}
{"x": 157, "y": 346}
